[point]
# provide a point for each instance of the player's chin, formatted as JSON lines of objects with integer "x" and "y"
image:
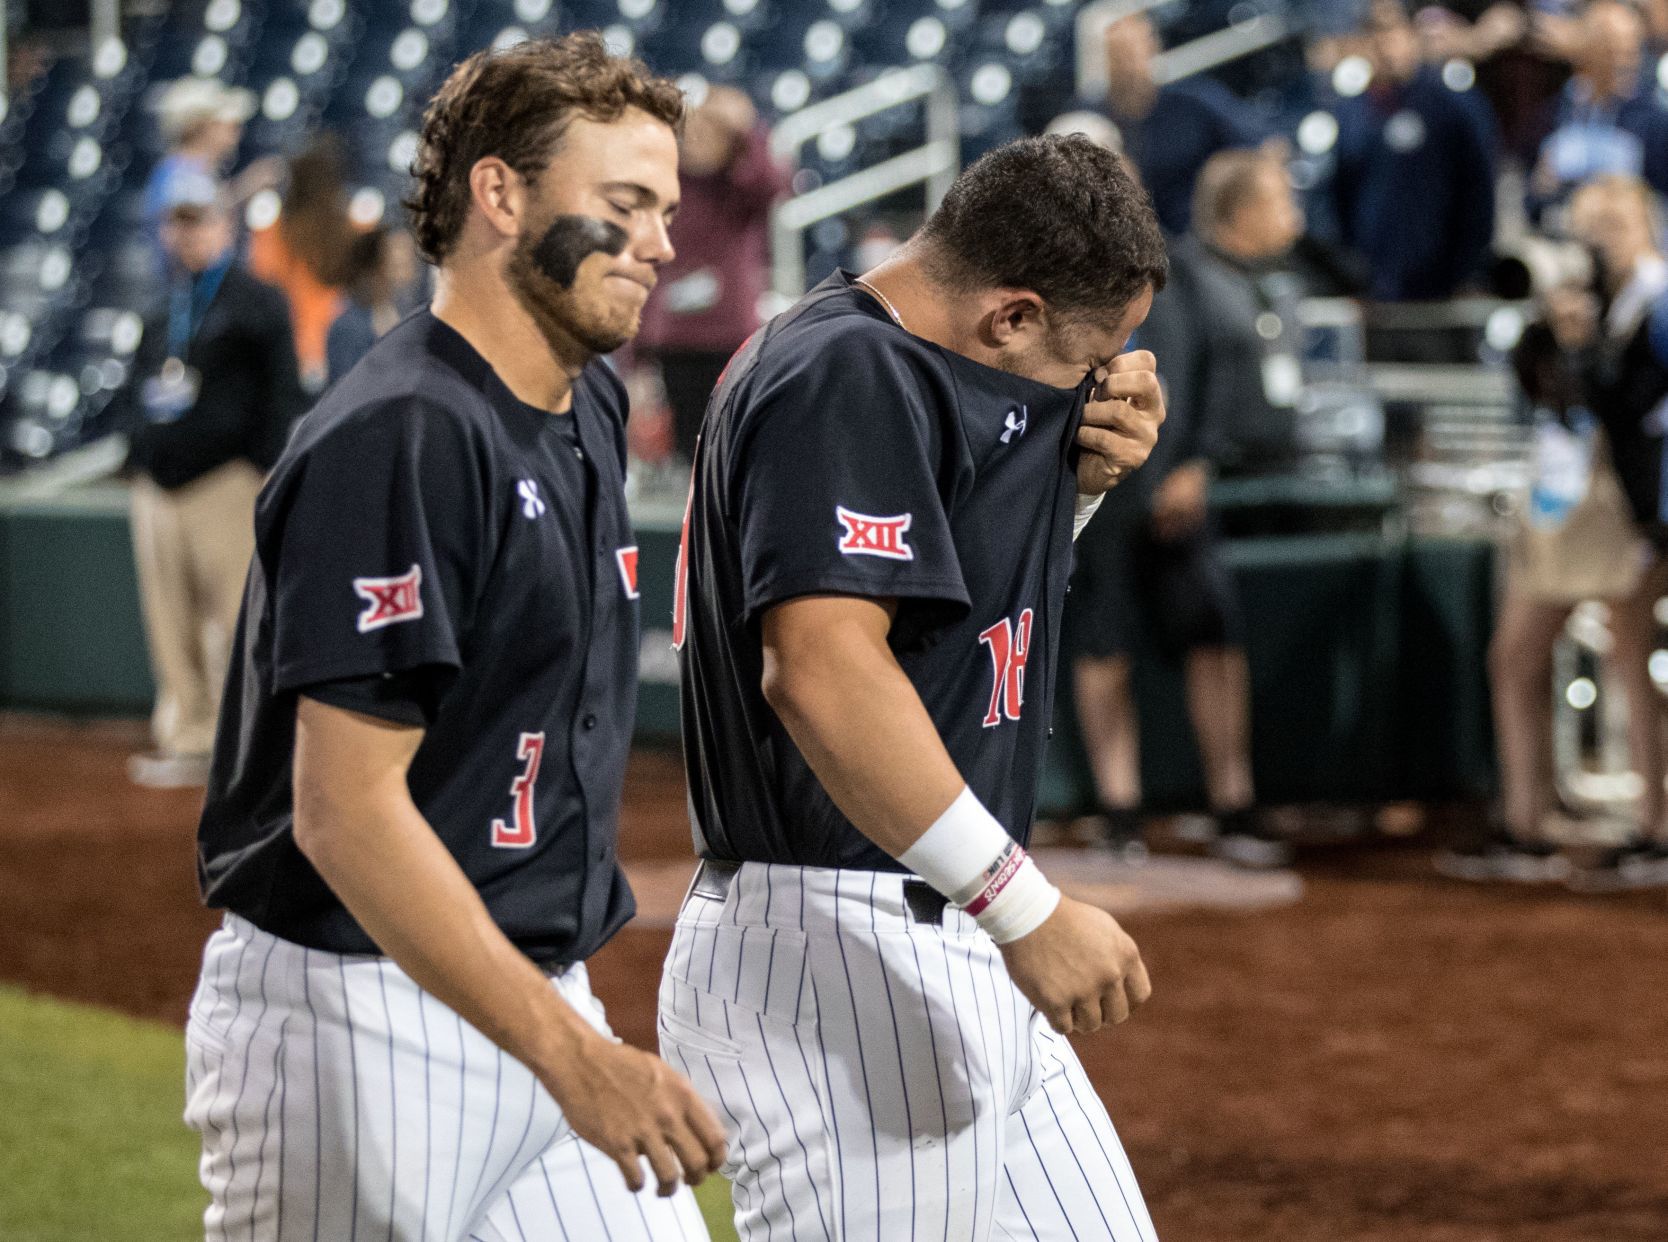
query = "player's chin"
{"x": 605, "y": 334}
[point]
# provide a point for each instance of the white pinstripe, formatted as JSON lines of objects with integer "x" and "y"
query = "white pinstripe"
{"x": 340, "y": 1103}
{"x": 883, "y": 1080}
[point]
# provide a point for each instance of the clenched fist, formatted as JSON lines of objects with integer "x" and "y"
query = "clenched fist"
{"x": 1079, "y": 968}
{"x": 1120, "y": 422}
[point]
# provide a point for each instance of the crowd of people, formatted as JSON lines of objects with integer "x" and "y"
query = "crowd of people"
{"x": 1434, "y": 187}
{"x": 1464, "y": 138}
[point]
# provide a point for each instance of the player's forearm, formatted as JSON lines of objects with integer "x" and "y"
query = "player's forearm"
{"x": 862, "y": 727}
{"x": 860, "y": 724}
{"x": 371, "y": 845}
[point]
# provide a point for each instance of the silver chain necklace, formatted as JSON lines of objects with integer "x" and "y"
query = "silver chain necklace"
{"x": 884, "y": 301}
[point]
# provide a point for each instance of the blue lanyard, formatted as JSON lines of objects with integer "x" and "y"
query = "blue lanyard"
{"x": 188, "y": 302}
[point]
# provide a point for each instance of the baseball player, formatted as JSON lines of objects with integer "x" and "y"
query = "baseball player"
{"x": 870, "y": 979}
{"x": 411, "y": 817}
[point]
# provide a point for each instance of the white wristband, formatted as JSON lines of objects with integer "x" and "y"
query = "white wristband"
{"x": 1012, "y": 898}
{"x": 969, "y": 857}
{"x": 1086, "y": 506}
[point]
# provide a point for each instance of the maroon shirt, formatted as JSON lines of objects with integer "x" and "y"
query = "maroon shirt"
{"x": 708, "y": 296}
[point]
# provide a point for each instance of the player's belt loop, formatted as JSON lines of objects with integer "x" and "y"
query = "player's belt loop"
{"x": 926, "y": 904}
{"x": 713, "y": 878}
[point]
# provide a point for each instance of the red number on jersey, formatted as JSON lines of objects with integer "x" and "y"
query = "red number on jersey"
{"x": 680, "y": 576}
{"x": 529, "y": 751}
{"x": 1010, "y": 651}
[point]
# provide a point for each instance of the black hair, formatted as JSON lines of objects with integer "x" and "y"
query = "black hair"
{"x": 1058, "y": 215}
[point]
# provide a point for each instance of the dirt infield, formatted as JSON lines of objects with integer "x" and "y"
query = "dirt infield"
{"x": 1394, "y": 1057}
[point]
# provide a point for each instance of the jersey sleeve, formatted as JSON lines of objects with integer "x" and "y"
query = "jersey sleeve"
{"x": 836, "y": 482}
{"x": 409, "y": 698}
{"x": 374, "y": 543}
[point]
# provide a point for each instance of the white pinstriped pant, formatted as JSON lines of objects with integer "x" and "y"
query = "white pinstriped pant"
{"x": 881, "y": 1078}
{"x": 338, "y": 1102}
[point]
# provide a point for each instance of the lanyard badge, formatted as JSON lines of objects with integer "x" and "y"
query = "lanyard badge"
{"x": 171, "y": 392}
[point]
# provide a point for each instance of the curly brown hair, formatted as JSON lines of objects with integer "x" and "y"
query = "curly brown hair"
{"x": 516, "y": 104}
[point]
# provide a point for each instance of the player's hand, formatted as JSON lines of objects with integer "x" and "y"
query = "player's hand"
{"x": 629, "y": 1104}
{"x": 1080, "y": 969}
{"x": 1120, "y": 422}
{"x": 1179, "y": 503}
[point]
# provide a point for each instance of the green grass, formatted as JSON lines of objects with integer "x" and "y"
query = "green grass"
{"x": 91, "y": 1141}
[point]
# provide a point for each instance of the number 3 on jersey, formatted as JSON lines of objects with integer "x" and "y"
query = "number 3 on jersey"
{"x": 525, "y": 832}
{"x": 1010, "y": 650}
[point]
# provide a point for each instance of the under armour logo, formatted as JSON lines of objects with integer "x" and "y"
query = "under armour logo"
{"x": 1015, "y": 424}
{"x": 532, "y": 504}
{"x": 874, "y": 536}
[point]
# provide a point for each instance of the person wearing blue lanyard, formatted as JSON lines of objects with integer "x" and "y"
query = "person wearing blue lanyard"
{"x": 1610, "y": 119}
{"x": 213, "y": 392}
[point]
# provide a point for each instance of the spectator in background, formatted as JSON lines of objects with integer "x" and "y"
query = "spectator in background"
{"x": 1595, "y": 374}
{"x": 202, "y": 123}
{"x": 1609, "y": 119}
{"x": 304, "y": 251}
{"x": 1169, "y": 131}
{"x": 1240, "y": 310}
{"x": 1147, "y": 565}
{"x": 707, "y": 301}
{"x": 381, "y": 278}
{"x": 1413, "y": 189}
{"x": 1518, "y": 49}
{"x": 215, "y": 390}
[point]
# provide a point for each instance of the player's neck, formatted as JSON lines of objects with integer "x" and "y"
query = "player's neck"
{"x": 925, "y": 308}
{"x": 480, "y": 307}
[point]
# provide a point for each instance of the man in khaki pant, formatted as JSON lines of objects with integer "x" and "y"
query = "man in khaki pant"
{"x": 216, "y": 389}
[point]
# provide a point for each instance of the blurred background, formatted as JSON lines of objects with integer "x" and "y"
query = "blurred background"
{"x": 1359, "y": 718}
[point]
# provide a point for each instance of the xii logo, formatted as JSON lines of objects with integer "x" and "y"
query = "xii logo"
{"x": 390, "y": 599}
{"x": 866, "y": 535}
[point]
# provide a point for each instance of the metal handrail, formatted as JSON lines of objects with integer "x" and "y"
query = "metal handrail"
{"x": 1220, "y": 47}
{"x": 935, "y": 162}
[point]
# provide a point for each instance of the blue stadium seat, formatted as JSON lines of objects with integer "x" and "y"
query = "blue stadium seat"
{"x": 42, "y": 411}
{"x": 1023, "y": 41}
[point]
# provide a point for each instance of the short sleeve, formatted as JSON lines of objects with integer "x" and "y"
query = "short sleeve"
{"x": 836, "y": 475}
{"x": 409, "y": 698}
{"x": 373, "y": 537}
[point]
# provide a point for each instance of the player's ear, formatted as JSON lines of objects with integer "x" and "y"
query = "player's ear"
{"x": 1013, "y": 315}
{"x": 499, "y": 194}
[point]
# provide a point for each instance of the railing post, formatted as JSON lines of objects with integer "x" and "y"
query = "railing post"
{"x": 934, "y": 163}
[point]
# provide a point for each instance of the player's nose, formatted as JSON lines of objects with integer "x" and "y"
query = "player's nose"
{"x": 654, "y": 242}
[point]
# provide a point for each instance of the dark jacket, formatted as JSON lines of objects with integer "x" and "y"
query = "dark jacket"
{"x": 1626, "y": 385}
{"x": 1413, "y": 191}
{"x": 1220, "y": 324}
{"x": 1191, "y": 121}
{"x": 249, "y": 392}
{"x": 350, "y": 339}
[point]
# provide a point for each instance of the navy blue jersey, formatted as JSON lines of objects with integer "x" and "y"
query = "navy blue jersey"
{"x": 842, "y": 455}
{"x": 428, "y": 531}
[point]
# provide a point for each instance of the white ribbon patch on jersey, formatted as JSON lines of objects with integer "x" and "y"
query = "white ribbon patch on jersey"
{"x": 532, "y": 504}
{"x": 867, "y": 535}
{"x": 390, "y": 600}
